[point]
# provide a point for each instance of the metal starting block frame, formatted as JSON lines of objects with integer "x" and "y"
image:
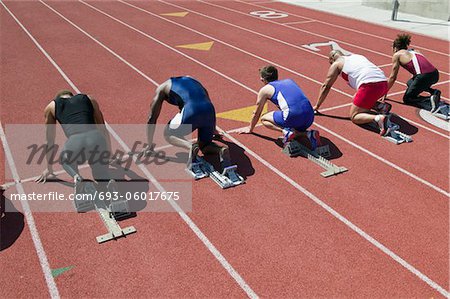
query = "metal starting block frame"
{"x": 395, "y": 136}
{"x": 442, "y": 112}
{"x": 117, "y": 210}
{"x": 108, "y": 211}
{"x": 228, "y": 178}
{"x": 294, "y": 148}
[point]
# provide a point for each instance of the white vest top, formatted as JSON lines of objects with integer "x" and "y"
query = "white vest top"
{"x": 359, "y": 70}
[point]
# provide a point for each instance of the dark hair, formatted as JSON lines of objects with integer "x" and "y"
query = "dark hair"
{"x": 269, "y": 73}
{"x": 63, "y": 92}
{"x": 402, "y": 41}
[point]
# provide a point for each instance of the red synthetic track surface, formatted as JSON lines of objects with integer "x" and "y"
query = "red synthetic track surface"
{"x": 270, "y": 230}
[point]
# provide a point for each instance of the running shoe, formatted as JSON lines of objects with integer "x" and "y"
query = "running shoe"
{"x": 435, "y": 99}
{"x": 193, "y": 155}
{"x": 314, "y": 139}
{"x": 384, "y": 124}
{"x": 288, "y": 135}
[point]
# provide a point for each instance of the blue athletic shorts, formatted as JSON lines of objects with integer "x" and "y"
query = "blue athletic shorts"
{"x": 299, "y": 121}
{"x": 201, "y": 117}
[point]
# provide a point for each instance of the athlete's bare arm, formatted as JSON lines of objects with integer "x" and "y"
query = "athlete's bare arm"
{"x": 161, "y": 94}
{"x": 395, "y": 69}
{"x": 264, "y": 94}
{"x": 333, "y": 73}
{"x": 50, "y": 122}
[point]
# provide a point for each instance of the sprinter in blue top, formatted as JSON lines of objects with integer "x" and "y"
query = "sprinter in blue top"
{"x": 196, "y": 113}
{"x": 296, "y": 114}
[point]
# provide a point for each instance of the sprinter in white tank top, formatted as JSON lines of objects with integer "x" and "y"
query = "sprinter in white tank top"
{"x": 368, "y": 80}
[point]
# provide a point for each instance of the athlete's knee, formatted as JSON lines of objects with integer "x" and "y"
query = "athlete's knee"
{"x": 66, "y": 157}
{"x": 353, "y": 115}
{"x": 410, "y": 96}
{"x": 224, "y": 149}
{"x": 267, "y": 118}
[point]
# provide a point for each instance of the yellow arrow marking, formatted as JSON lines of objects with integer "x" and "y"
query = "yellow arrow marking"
{"x": 241, "y": 114}
{"x": 175, "y": 14}
{"x": 200, "y": 46}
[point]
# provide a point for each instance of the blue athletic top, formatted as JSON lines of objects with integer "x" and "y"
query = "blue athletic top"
{"x": 186, "y": 91}
{"x": 290, "y": 98}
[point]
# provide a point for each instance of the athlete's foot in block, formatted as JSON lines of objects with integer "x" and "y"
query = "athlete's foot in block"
{"x": 383, "y": 123}
{"x": 288, "y": 135}
{"x": 193, "y": 153}
{"x": 435, "y": 100}
{"x": 314, "y": 139}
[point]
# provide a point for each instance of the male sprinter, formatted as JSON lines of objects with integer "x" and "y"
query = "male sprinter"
{"x": 424, "y": 74}
{"x": 296, "y": 114}
{"x": 362, "y": 75}
{"x": 196, "y": 113}
{"x": 83, "y": 124}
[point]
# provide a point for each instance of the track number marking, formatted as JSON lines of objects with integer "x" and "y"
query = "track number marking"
{"x": 268, "y": 14}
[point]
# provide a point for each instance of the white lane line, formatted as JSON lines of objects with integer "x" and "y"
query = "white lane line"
{"x": 216, "y": 253}
{"x": 343, "y": 27}
{"x": 241, "y": 84}
{"x": 335, "y": 107}
{"x": 363, "y": 234}
{"x": 298, "y": 22}
{"x": 42, "y": 256}
{"x": 442, "y": 83}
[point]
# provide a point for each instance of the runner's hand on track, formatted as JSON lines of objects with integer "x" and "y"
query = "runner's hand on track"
{"x": 245, "y": 130}
{"x": 218, "y": 134}
{"x": 316, "y": 109}
{"x": 44, "y": 176}
{"x": 147, "y": 151}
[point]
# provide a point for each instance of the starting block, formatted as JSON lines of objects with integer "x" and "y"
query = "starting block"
{"x": 443, "y": 111}
{"x": 323, "y": 151}
{"x": 109, "y": 212}
{"x": 395, "y": 136}
{"x": 108, "y": 216}
{"x": 294, "y": 148}
{"x": 228, "y": 178}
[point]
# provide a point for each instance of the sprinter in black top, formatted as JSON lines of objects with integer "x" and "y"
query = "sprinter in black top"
{"x": 83, "y": 124}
